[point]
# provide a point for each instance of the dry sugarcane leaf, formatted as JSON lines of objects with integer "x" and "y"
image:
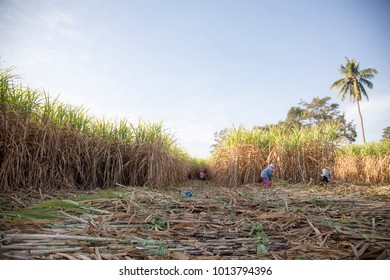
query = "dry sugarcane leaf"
{"x": 77, "y": 219}
{"x": 316, "y": 231}
{"x": 385, "y": 255}
{"x": 363, "y": 249}
{"x": 54, "y": 251}
{"x": 178, "y": 255}
{"x": 69, "y": 257}
{"x": 97, "y": 254}
{"x": 81, "y": 256}
{"x": 355, "y": 251}
{"x": 85, "y": 247}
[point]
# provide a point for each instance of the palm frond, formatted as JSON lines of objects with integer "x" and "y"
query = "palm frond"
{"x": 369, "y": 71}
{"x": 338, "y": 83}
{"x": 363, "y": 91}
{"x": 366, "y": 82}
{"x": 344, "y": 91}
{"x": 343, "y": 70}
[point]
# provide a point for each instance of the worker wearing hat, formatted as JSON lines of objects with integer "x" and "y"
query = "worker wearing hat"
{"x": 325, "y": 175}
{"x": 266, "y": 175}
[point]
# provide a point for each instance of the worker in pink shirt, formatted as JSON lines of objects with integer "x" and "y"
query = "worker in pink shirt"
{"x": 202, "y": 176}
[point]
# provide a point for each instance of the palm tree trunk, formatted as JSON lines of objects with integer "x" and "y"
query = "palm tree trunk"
{"x": 361, "y": 121}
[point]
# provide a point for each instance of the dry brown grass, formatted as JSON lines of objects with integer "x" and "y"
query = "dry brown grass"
{"x": 363, "y": 169}
{"x": 300, "y": 154}
{"x": 34, "y": 156}
{"x": 242, "y": 164}
{"x": 233, "y": 166}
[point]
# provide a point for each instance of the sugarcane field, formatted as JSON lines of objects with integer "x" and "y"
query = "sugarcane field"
{"x": 75, "y": 187}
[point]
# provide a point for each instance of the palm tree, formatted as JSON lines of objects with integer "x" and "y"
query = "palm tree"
{"x": 353, "y": 83}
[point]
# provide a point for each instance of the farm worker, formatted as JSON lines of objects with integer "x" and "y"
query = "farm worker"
{"x": 266, "y": 175}
{"x": 325, "y": 175}
{"x": 202, "y": 176}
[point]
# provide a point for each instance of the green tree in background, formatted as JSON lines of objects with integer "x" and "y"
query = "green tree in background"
{"x": 386, "y": 133}
{"x": 218, "y": 137}
{"x": 318, "y": 111}
{"x": 353, "y": 83}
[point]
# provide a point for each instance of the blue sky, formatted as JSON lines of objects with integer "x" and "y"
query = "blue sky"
{"x": 199, "y": 66}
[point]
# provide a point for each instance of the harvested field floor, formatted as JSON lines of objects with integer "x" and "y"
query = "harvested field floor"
{"x": 283, "y": 222}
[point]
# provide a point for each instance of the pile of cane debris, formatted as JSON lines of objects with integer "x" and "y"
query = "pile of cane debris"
{"x": 199, "y": 220}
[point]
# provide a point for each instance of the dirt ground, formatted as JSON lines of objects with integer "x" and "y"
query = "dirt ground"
{"x": 199, "y": 220}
